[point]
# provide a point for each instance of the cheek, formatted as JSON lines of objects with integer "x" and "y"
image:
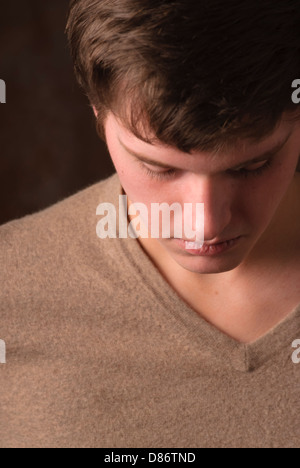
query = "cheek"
{"x": 261, "y": 198}
{"x": 136, "y": 186}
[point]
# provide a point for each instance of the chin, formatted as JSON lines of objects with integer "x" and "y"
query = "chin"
{"x": 207, "y": 265}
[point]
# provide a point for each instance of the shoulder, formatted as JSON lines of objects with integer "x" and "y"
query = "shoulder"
{"x": 72, "y": 214}
{"x": 38, "y": 248}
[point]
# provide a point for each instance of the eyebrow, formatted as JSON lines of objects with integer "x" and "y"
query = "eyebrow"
{"x": 260, "y": 158}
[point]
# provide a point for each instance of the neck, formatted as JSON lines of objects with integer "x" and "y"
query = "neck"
{"x": 270, "y": 267}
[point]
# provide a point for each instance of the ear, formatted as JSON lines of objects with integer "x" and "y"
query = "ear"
{"x": 95, "y": 111}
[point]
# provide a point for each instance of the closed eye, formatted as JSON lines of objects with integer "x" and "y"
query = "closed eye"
{"x": 254, "y": 170}
{"x": 160, "y": 175}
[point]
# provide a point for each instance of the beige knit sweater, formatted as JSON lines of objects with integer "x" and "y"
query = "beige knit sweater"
{"x": 101, "y": 352}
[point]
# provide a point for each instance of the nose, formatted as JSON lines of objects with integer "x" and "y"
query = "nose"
{"x": 217, "y": 196}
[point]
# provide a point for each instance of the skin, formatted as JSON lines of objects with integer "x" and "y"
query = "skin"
{"x": 260, "y": 273}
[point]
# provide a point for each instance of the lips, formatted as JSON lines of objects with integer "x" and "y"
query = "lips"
{"x": 208, "y": 244}
{"x": 207, "y": 249}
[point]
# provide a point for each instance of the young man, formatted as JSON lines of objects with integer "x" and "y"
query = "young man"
{"x": 149, "y": 342}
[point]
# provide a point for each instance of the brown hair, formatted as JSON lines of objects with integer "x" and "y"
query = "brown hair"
{"x": 197, "y": 74}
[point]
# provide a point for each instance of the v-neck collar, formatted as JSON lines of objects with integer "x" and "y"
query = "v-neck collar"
{"x": 242, "y": 357}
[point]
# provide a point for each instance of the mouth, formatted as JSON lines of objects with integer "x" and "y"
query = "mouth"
{"x": 208, "y": 248}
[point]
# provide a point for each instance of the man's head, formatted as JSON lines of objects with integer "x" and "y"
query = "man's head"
{"x": 194, "y": 73}
{"x": 203, "y": 87}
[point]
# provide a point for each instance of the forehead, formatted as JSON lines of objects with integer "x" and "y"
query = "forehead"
{"x": 240, "y": 151}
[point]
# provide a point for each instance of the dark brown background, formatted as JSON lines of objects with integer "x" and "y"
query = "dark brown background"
{"x": 49, "y": 148}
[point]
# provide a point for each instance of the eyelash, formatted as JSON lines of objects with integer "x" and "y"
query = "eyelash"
{"x": 243, "y": 173}
{"x": 159, "y": 175}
